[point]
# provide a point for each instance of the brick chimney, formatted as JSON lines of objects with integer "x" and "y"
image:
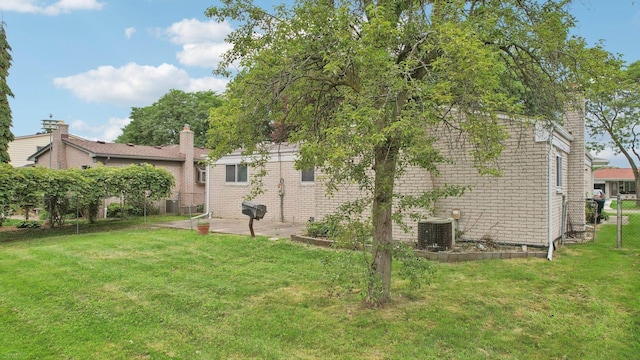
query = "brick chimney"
{"x": 58, "y": 151}
{"x": 188, "y": 170}
{"x": 579, "y": 173}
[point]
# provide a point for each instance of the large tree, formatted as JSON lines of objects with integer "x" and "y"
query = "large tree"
{"x": 360, "y": 85}
{"x": 161, "y": 122}
{"x": 6, "y": 136}
{"x": 613, "y": 108}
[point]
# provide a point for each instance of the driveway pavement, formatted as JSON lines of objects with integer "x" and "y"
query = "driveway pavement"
{"x": 270, "y": 229}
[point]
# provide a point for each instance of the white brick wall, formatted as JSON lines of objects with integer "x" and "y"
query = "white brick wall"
{"x": 511, "y": 208}
{"x": 298, "y": 202}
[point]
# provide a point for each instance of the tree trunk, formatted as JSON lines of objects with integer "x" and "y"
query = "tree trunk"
{"x": 637, "y": 191}
{"x": 380, "y": 281}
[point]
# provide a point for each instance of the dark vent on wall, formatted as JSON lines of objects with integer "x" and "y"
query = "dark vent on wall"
{"x": 130, "y": 144}
{"x": 100, "y": 142}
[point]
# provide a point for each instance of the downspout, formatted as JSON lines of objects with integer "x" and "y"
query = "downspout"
{"x": 207, "y": 191}
{"x": 281, "y": 185}
{"x": 549, "y": 197}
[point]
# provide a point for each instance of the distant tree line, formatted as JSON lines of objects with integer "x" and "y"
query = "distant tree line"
{"x": 161, "y": 122}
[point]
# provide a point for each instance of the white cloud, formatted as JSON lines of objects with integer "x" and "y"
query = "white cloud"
{"x": 202, "y": 42}
{"x": 128, "y": 32}
{"x": 207, "y": 83}
{"x": 108, "y": 132}
{"x": 617, "y": 160}
{"x": 204, "y": 54}
{"x": 56, "y": 8}
{"x": 189, "y": 31}
{"x": 133, "y": 84}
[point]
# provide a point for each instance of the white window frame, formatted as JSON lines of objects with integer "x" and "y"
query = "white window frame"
{"x": 306, "y": 181}
{"x": 237, "y": 169}
{"x": 201, "y": 175}
{"x": 559, "y": 171}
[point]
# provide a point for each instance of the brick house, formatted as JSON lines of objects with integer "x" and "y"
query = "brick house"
{"x": 541, "y": 164}
{"x": 615, "y": 181}
{"x": 24, "y": 146}
{"x": 182, "y": 160}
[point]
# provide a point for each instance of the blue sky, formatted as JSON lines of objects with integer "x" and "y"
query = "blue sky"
{"x": 87, "y": 62}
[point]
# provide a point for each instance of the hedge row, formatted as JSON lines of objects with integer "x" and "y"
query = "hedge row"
{"x": 88, "y": 187}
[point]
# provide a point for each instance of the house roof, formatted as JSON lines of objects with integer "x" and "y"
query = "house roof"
{"x": 126, "y": 151}
{"x": 613, "y": 174}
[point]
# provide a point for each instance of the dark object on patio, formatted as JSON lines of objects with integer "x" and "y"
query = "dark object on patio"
{"x": 253, "y": 211}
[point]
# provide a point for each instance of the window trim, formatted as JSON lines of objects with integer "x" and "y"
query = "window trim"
{"x": 201, "y": 175}
{"x": 237, "y": 169}
{"x": 306, "y": 181}
{"x": 559, "y": 171}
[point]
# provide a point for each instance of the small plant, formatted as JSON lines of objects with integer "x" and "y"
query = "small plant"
{"x": 590, "y": 211}
{"x": 115, "y": 210}
{"x": 28, "y": 224}
{"x": 326, "y": 228}
{"x": 417, "y": 270}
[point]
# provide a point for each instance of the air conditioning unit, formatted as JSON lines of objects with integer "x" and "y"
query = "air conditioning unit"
{"x": 436, "y": 234}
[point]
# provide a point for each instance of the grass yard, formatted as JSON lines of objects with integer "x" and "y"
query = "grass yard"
{"x": 140, "y": 292}
{"x": 626, "y": 205}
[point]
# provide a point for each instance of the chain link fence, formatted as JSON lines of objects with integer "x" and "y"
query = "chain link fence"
{"x": 626, "y": 216}
{"x": 580, "y": 219}
{"x": 70, "y": 207}
{"x": 183, "y": 204}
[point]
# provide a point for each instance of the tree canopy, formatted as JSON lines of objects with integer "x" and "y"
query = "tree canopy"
{"x": 613, "y": 109}
{"x": 161, "y": 122}
{"x": 360, "y": 85}
{"x": 6, "y": 136}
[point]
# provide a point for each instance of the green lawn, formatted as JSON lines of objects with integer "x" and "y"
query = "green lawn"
{"x": 626, "y": 205}
{"x": 144, "y": 293}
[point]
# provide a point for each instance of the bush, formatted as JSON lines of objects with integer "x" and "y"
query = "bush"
{"x": 325, "y": 228}
{"x": 115, "y": 210}
{"x": 28, "y": 224}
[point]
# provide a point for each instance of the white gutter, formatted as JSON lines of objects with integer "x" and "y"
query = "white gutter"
{"x": 549, "y": 197}
{"x": 207, "y": 190}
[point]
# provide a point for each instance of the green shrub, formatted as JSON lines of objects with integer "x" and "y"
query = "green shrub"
{"x": 28, "y": 224}
{"x": 115, "y": 210}
{"x": 325, "y": 228}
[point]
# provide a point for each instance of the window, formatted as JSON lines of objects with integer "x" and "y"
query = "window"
{"x": 308, "y": 175}
{"x": 626, "y": 187}
{"x": 201, "y": 175}
{"x": 85, "y": 167}
{"x": 558, "y": 171}
{"x": 236, "y": 173}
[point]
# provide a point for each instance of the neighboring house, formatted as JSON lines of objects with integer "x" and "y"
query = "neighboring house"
{"x": 24, "y": 146}
{"x": 182, "y": 160}
{"x": 524, "y": 206}
{"x": 615, "y": 181}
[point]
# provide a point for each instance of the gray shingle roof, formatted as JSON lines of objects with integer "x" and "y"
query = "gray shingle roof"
{"x": 128, "y": 151}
